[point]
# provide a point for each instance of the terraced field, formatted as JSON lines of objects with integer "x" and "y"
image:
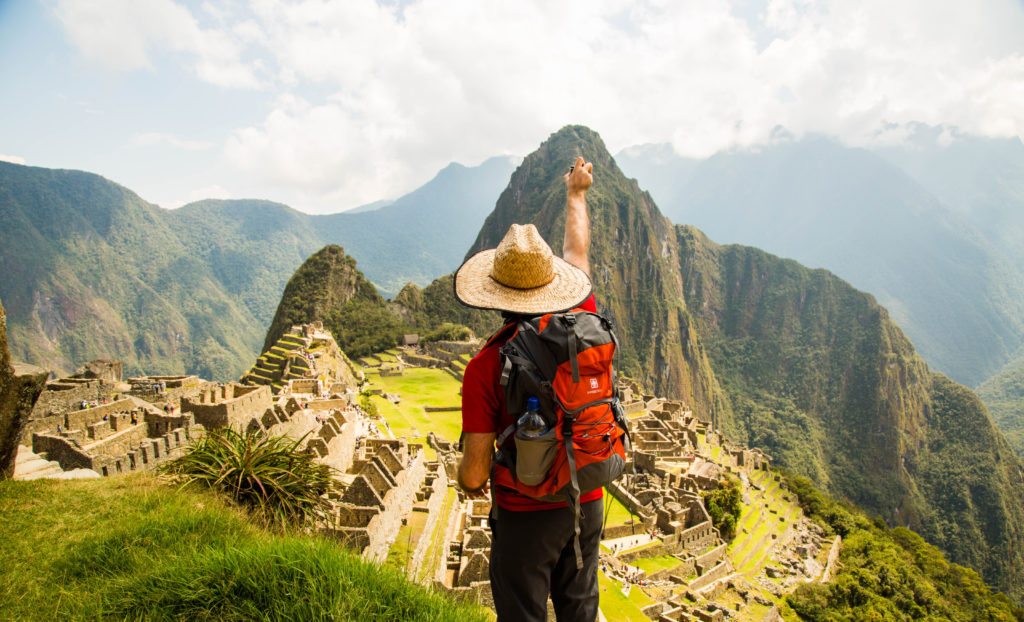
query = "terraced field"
{"x": 417, "y": 388}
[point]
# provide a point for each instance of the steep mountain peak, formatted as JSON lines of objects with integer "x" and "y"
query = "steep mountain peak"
{"x": 633, "y": 255}
{"x": 324, "y": 283}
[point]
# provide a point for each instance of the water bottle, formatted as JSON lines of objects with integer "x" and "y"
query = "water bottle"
{"x": 531, "y": 425}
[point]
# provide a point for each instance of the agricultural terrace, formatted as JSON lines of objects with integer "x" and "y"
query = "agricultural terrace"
{"x": 417, "y": 388}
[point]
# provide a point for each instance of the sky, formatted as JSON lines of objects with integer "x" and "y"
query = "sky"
{"x": 325, "y": 106}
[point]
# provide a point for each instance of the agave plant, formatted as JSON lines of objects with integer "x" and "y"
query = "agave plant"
{"x": 269, "y": 475}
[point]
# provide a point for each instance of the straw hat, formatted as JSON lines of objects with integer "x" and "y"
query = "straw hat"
{"x": 522, "y": 275}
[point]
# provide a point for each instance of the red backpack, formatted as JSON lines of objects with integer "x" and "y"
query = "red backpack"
{"x": 564, "y": 360}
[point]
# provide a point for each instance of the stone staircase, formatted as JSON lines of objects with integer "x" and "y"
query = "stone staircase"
{"x": 29, "y": 465}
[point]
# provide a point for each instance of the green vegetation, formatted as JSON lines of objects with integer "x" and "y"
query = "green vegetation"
{"x": 1003, "y": 393}
{"x": 651, "y": 565}
{"x": 617, "y": 606}
{"x": 889, "y": 574}
{"x": 281, "y": 485}
{"x": 723, "y": 505}
{"x": 131, "y": 547}
{"x": 193, "y": 289}
{"x": 449, "y": 332}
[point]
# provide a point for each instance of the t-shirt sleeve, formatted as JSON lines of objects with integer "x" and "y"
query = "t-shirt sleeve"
{"x": 480, "y": 407}
{"x": 589, "y": 304}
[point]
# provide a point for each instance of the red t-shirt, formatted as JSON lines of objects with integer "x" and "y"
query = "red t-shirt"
{"x": 483, "y": 411}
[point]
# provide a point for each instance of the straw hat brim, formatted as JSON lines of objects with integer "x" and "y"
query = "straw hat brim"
{"x": 474, "y": 287}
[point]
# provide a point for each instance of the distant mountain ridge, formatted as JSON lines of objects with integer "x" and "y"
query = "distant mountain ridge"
{"x": 958, "y": 296}
{"x": 92, "y": 270}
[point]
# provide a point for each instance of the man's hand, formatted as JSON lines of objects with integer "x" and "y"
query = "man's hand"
{"x": 576, "y": 246}
{"x": 580, "y": 177}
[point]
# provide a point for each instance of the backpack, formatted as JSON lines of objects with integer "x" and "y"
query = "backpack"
{"x": 564, "y": 360}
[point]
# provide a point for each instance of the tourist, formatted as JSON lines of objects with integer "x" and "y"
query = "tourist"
{"x": 534, "y": 544}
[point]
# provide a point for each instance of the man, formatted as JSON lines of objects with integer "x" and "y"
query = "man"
{"x": 532, "y": 549}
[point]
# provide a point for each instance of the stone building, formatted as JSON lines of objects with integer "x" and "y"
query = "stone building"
{"x": 125, "y": 435}
{"x": 228, "y": 405}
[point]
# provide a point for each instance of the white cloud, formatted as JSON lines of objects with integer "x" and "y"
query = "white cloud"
{"x": 13, "y": 159}
{"x": 372, "y": 99}
{"x": 121, "y": 34}
{"x": 148, "y": 139}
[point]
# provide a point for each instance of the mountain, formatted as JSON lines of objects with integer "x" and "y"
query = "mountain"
{"x": 1003, "y": 393}
{"x": 789, "y": 359}
{"x": 960, "y": 299}
{"x": 818, "y": 375}
{"x": 326, "y": 283}
{"x": 981, "y": 179}
{"x": 634, "y": 259}
{"x": 328, "y": 287}
{"x": 93, "y": 271}
{"x": 423, "y": 234}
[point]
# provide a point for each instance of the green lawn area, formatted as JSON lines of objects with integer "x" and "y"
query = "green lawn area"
{"x": 616, "y": 606}
{"x": 419, "y": 387}
{"x": 650, "y": 565}
{"x": 616, "y": 513}
{"x": 131, "y": 547}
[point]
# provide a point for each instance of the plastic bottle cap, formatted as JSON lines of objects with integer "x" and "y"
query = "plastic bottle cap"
{"x": 532, "y": 403}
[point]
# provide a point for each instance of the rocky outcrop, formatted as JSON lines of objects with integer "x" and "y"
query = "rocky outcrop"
{"x": 20, "y": 386}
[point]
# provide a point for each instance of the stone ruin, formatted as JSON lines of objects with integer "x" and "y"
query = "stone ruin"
{"x": 306, "y": 352}
{"x": 124, "y": 435}
{"x": 228, "y": 405}
{"x": 386, "y": 477}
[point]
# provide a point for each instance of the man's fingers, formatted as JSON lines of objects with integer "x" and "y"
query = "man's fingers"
{"x": 579, "y": 161}
{"x": 590, "y": 167}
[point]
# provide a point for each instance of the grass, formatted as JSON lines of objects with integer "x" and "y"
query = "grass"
{"x": 267, "y": 474}
{"x": 651, "y": 565}
{"x": 618, "y": 514}
{"x": 617, "y": 606}
{"x": 438, "y": 547}
{"x": 419, "y": 387}
{"x": 131, "y": 547}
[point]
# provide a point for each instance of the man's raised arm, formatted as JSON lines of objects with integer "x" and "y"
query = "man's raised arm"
{"x": 576, "y": 246}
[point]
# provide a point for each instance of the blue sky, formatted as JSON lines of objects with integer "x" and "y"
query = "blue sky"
{"x": 329, "y": 105}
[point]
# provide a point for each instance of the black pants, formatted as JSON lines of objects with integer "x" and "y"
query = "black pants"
{"x": 532, "y": 556}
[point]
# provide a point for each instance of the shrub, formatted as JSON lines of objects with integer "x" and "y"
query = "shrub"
{"x": 268, "y": 475}
{"x": 723, "y": 504}
{"x": 449, "y": 332}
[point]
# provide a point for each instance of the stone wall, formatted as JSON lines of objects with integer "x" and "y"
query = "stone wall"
{"x": 438, "y": 490}
{"x": 398, "y": 502}
{"x": 833, "y": 560}
{"x": 63, "y": 397}
{"x": 717, "y": 572}
{"x": 226, "y": 405}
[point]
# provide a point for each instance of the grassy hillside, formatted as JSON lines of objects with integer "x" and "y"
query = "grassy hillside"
{"x": 889, "y": 574}
{"x": 131, "y": 547}
{"x": 91, "y": 270}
